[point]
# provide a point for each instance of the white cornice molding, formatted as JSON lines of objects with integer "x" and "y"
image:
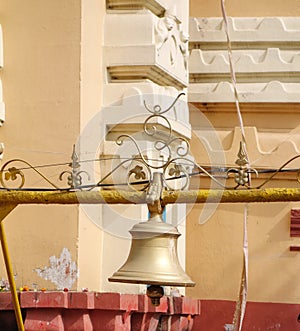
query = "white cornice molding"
{"x": 265, "y": 54}
{"x": 245, "y": 61}
{"x": 273, "y": 91}
{"x": 129, "y": 113}
{"x": 245, "y": 29}
{"x": 142, "y": 46}
{"x": 157, "y": 7}
{"x": 145, "y": 54}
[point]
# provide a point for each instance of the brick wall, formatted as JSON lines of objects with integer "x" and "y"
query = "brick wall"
{"x": 76, "y": 311}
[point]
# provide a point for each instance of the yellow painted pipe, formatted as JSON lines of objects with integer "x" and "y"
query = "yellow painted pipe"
{"x": 4, "y": 211}
{"x": 168, "y": 197}
{"x": 232, "y": 196}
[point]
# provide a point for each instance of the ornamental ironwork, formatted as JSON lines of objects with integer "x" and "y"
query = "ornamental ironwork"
{"x": 176, "y": 163}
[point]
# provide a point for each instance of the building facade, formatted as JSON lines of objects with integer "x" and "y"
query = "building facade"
{"x": 264, "y": 58}
{"x": 65, "y": 62}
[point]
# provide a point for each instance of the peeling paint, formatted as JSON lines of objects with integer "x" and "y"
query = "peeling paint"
{"x": 62, "y": 271}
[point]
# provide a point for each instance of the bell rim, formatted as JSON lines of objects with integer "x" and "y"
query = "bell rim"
{"x": 163, "y": 279}
{"x": 151, "y": 282}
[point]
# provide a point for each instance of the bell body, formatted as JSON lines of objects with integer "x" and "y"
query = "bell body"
{"x": 153, "y": 257}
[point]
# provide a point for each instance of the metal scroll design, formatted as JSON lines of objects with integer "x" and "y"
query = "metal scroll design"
{"x": 158, "y": 129}
{"x": 10, "y": 173}
{"x": 75, "y": 174}
{"x": 174, "y": 162}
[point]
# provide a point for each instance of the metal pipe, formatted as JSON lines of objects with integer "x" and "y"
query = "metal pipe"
{"x": 168, "y": 197}
{"x": 232, "y": 196}
{"x": 11, "y": 279}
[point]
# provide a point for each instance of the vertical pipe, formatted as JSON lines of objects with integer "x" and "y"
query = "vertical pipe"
{"x": 11, "y": 279}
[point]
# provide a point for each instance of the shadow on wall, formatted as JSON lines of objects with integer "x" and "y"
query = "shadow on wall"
{"x": 8, "y": 320}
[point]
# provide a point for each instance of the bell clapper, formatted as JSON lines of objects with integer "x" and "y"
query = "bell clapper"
{"x": 155, "y": 292}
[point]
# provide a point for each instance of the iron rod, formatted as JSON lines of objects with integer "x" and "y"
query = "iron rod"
{"x": 11, "y": 279}
{"x": 168, "y": 197}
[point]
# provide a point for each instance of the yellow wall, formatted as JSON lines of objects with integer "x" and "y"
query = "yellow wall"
{"x": 215, "y": 253}
{"x": 214, "y": 249}
{"x": 245, "y": 8}
{"x": 41, "y": 80}
{"x": 90, "y": 237}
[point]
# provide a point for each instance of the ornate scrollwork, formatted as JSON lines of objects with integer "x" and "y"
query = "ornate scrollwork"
{"x": 8, "y": 174}
{"x": 171, "y": 38}
{"x": 166, "y": 153}
{"x": 172, "y": 149}
{"x": 179, "y": 172}
{"x": 241, "y": 174}
{"x": 139, "y": 175}
{"x": 12, "y": 174}
{"x": 74, "y": 175}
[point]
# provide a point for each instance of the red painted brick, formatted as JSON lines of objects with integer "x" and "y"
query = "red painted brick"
{"x": 145, "y": 322}
{"x": 186, "y": 323}
{"x": 122, "y": 324}
{"x": 77, "y": 320}
{"x": 295, "y": 213}
{"x": 44, "y": 299}
{"x": 259, "y": 316}
{"x": 295, "y": 223}
{"x": 165, "y": 322}
{"x": 85, "y": 311}
{"x": 81, "y": 300}
{"x": 174, "y": 323}
{"x": 175, "y": 305}
{"x": 190, "y": 306}
{"x": 129, "y": 302}
{"x": 145, "y": 305}
{"x": 183, "y": 305}
{"x": 44, "y": 320}
{"x": 110, "y": 320}
{"x": 6, "y": 301}
{"x": 295, "y": 248}
{"x": 110, "y": 301}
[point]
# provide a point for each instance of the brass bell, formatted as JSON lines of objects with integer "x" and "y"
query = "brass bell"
{"x": 153, "y": 258}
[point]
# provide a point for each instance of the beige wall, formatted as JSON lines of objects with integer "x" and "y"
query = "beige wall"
{"x": 53, "y": 81}
{"x": 214, "y": 249}
{"x": 90, "y": 237}
{"x": 215, "y": 262}
{"x": 245, "y": 8}
{"x": 41, "y": 80}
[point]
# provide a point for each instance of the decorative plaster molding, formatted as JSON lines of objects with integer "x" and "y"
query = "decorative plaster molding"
{"x": 270, "y": 60}
{"x": 157, "y": 7}
{"x": 129, "y": 113}
{"x": 115, "y": 93}
{"x": 143, "y": 72}
{"x": 171, "y": 39}
{"x": 148, "y": 47}
{"x": 259, "y": 155}
{"x": 273, "y": 91}
{"x": 265, "y": 54}
{"x": 245, "y": 29}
